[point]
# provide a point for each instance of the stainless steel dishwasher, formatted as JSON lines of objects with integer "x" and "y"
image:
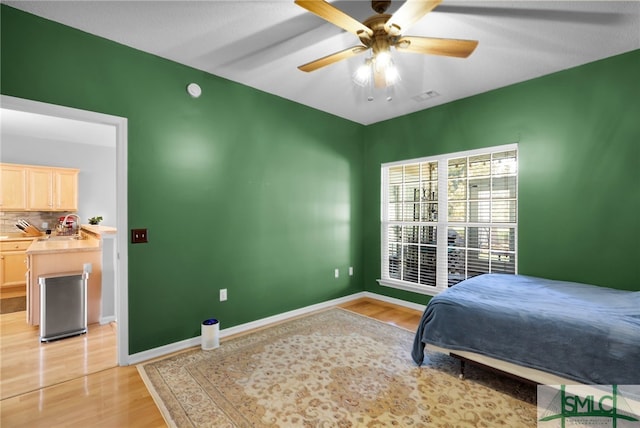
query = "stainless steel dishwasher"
{"x": 63, "y": 305}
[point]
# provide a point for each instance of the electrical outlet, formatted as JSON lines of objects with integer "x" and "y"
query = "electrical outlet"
{"x": 337, "y": 273}
{"x": 223, "y": 294}
{"x": 139, "y": 236}
{"x": 350, "y": 270}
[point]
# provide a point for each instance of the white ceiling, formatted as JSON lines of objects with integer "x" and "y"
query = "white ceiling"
{"x": 261, "y": 43}
{"x": 49, "y": 128}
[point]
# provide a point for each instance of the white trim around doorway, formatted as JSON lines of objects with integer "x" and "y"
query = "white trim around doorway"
{"x": 122, "y": 268}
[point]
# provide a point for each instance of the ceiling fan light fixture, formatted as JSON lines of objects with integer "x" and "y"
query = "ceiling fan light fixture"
{"x": 380, "y": 33}
{"x": 379, "y": 71}
{"x": 362, "y": 76}
{"x": 392, "y": 76}
{"x": 383, "y": 59}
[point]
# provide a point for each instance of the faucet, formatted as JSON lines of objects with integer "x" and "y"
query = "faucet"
{"x": 72, "y": 215}
{"x": 64, "y": 222}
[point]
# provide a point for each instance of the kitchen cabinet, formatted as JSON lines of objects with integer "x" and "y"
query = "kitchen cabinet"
{"x": 65, "y": 186}
{"x": 38, "y": 188}
{"x": 13, "y": 266}
{"x": 13, "y": 183}
{"x": 52, "y": 189}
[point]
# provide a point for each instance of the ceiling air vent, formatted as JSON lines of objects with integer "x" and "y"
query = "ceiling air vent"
{"x": 425, "y": 96}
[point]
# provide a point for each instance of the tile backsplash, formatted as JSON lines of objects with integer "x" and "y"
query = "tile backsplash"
{"x": 8, "y": 219}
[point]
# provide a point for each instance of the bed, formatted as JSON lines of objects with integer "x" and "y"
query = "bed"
{"x": 547, "y": 331}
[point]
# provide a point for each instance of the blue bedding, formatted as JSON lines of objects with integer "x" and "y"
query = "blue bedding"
{"x": 582, "y": 332}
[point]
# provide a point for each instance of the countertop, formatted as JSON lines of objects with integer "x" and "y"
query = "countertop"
{"x": 99, "y": 230}
{"x": 15, "y": 236}
{"x": 55, "y": 246}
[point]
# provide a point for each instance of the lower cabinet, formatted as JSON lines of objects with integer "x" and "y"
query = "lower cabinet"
{"x": 13, "y": 263}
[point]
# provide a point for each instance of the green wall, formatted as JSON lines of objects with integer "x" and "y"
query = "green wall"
{"x": 246, "y": 191}
{"x": 579, "y": 181}
{"x": 239, "y": 189}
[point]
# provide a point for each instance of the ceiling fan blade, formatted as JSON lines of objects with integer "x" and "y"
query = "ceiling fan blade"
{"x": 433, "y": 46}
{"x": 335, "y": 16}
{"x": 330, "y": 59}
{"x": 408, "y": 14}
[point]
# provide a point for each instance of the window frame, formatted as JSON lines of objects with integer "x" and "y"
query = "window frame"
{"x": 442, "y": 223}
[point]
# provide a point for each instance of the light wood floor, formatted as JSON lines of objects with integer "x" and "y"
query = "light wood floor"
{"x": 107, "y": 397}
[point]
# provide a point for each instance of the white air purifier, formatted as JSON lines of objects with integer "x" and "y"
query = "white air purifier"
{"x": 210, "y": 334}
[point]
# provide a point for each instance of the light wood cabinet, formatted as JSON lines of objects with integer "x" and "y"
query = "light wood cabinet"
{"x": 13, "y": 263}
{"x": 13, "y": 183}
{"x": 65, "y": 189}
{"x": 43, "y": 188}
{"x": 40, "y": 189}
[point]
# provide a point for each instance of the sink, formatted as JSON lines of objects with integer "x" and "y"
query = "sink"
{"x": 59, "y": 238}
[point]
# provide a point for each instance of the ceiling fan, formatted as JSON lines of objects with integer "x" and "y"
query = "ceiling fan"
{"x": 381, "y": 32}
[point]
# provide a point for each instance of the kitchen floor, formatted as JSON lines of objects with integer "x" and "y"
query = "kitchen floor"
{"x": 28, "y": 365}
{"x": 12, "y": 299}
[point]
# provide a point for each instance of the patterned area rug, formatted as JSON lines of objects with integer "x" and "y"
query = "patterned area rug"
{"x": 331, "y": 369}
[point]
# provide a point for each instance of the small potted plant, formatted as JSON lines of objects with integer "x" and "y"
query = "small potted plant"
{"x": 95, "y": 220}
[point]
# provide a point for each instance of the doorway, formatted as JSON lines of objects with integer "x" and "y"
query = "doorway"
{"x": 120, "y": 125}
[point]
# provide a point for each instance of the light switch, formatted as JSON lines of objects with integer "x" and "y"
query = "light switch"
{"x": 139, "y": 236}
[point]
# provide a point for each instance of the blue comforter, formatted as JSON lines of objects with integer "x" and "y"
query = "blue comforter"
{"x": 582, "y": 332}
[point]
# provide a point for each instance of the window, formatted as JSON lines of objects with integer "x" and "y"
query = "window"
{"x": 449, "y": 217}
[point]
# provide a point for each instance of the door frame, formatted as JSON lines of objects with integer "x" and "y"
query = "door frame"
{"x": 122, "y": 267}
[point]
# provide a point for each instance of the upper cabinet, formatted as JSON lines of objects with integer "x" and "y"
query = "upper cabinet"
{"x": 65, "y": 189}
{"x": 39, "y": 189}
{"x": 45, "y": 188}
{"x": 13, "y": 183}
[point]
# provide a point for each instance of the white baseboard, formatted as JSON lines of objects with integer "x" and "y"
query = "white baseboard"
{"x": 107, "y": 320}
{"x": 196, "y": 341}
{"x": 224, "y": 332}
{"x": 399, "y": 302}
